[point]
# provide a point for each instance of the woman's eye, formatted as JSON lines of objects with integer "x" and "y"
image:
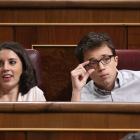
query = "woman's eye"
{"x": 12, "y": 62}
{"x": 0, "y": 63}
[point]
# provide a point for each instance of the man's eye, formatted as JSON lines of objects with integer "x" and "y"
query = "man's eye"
{"x": 106, "y": 59}
{"x": 93, "y": 63}
{"x": 12, "y": 62}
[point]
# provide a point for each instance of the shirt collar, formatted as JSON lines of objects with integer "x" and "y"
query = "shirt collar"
{"x": 101, "y": 92}
{"x": 119, "y": 78}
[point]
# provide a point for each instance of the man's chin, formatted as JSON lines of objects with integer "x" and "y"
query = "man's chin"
{"x": 103, "y": 85}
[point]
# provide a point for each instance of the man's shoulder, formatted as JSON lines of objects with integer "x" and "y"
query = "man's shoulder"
{"x": 129, "y": 72}
{"x": 89, "y": 86}
{"x": 127, "y": 76}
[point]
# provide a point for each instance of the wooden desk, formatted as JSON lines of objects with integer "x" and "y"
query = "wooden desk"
{"x": 68, "y": 120}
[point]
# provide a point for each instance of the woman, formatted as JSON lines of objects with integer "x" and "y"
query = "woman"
{"x": 18, "y": 77}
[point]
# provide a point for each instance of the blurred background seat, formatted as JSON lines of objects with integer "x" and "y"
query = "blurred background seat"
{"x": 128, "y": 59}
{"x": 36, "y": 61}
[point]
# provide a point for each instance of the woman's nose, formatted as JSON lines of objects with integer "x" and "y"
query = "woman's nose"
{"x": 5, "y": 67}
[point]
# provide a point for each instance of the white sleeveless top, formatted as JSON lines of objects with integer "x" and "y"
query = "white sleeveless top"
{"x": 34, "y": 95}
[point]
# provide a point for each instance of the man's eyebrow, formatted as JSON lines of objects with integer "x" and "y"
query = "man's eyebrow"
{"x": 92, "y": 58}
{"x": 105, "y": 54}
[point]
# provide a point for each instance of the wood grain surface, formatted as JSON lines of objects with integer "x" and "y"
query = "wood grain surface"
{"x": 70, "y": 3}
{"x": 99, "y": 15}
{"x": 70, "y": 107}
{"x": 59, "y": 120}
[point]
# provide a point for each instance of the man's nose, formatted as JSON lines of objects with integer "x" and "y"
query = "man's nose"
{"x": 101, "y": 66}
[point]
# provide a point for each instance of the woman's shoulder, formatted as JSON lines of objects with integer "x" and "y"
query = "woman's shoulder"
{"x": 35, "y": 89}
{"x": 34, "y": 94}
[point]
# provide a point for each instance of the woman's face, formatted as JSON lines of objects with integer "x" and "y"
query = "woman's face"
{"x": 10, "y": 69}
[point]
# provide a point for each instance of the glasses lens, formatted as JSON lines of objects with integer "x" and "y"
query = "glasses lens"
{"x": 93, "y": 64}
{"x": 106, "y": 60}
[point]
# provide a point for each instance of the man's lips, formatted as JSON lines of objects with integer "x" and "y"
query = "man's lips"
{"x": 104, "y": 75}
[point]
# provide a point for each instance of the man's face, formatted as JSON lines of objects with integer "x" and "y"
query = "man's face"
{"x": 104, "y": 75}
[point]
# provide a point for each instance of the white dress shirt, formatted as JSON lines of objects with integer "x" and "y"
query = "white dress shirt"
{"x": 126, "y": 89}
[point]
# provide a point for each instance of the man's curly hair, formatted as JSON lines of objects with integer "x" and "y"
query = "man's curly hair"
{"x": 91, "y": 41}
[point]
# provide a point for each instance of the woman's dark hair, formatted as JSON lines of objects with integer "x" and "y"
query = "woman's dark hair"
{"x": 28, "y": 78}
{"x": 91, "y": 41}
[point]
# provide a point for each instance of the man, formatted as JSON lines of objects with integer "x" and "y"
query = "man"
{"x": 98, "y": 59}
{"x": 132, "y": 136}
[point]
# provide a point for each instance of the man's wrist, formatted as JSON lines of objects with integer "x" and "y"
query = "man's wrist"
{"x": 77, "y": 91}
{"x": 76, "y": 96}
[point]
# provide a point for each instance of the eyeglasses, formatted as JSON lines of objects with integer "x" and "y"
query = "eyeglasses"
{"x": 93, "y": 64}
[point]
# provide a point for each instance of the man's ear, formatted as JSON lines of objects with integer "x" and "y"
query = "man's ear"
{"x": 116, "y": 60}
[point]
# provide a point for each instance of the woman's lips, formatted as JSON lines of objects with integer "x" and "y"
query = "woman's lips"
{"x": 7, "y": 77}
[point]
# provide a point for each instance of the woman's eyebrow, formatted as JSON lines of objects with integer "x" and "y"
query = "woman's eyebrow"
{"x": 12, "y": 59}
